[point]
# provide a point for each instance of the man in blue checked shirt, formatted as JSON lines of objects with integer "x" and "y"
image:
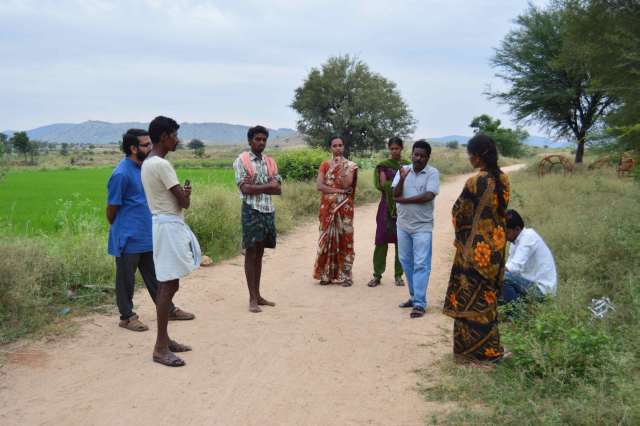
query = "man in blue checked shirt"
{"x": 130, "y": 239}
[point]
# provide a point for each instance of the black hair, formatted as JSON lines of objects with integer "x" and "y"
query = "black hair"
{"x": 131, "y": 138}
{"x": 486, "y": 148}
{"x": 255, "y": 130}
{"x": 395, "y": 140}
{"x": 161, "y": 125}
{"x": 514, "y": 220}
{"x": 333, "y": 138}
{"x": 422, "y": 145}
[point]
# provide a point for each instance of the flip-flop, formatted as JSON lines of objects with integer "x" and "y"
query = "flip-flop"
{"x": 373, "y": 283}
{"x": 400, "y": 282}
{"x": 347, "y": 283}
{"x": 170, "y": 363}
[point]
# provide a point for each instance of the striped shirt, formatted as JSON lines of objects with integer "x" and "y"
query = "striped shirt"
{"x": 261, "y": 202}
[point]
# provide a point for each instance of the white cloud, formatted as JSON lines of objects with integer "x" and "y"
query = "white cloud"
{"x": 96, "y": 7}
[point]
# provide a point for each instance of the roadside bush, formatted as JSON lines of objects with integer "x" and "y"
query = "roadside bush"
{"x": 301, "y": 164}
{"x": 28, "y": 279}
{"x": 214, "y": 217}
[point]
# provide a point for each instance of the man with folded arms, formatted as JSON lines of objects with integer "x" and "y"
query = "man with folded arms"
{"x": 176, "y": 252}
{"x": 257, "y": 179}
{"x": 130, "y": 239}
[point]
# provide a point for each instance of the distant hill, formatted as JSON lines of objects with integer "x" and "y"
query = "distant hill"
{"x": 101, "y": 132}
{"x": 533, "y": 140}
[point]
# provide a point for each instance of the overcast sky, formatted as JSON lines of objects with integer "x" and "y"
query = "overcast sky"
{"x": 68, "y": 61}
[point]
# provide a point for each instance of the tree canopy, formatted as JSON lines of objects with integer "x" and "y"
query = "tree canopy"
{"x": 195, "y": 144}
{"x": 21, "y": 142}
{"x": 510, "y": 142}
{"x": 604, "y": 36}
{"x": 344, "y": 97}
{"x": 562, "y": 97}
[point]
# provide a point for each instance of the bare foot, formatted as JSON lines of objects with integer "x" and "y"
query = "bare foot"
{"x": 264, "y": 302}
{"x": 253, "y": 307}
{"x": 167, "y": 358}
{"x": 178, "y": 347}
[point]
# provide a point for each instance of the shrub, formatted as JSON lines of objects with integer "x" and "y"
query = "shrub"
{"x": 301, "y": 164}
{"x": 214, "y": 217}
{"x": 28, "y": 276}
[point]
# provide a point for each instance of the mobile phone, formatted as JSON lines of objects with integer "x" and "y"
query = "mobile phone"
{"x": 187, "y": 183}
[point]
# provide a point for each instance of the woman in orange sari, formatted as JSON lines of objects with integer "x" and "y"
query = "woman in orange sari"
{"x": 478, "y": 268}
{"x": 337, "y": 179}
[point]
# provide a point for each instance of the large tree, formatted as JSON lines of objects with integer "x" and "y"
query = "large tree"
{"x": 605, "y": 36}
{"x": 21, "y": 142}
{"x": 344, "y": 97}
{"x": 564, "y": 99}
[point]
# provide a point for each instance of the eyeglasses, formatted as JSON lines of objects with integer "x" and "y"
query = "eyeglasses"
{"x": 146, "y": 145}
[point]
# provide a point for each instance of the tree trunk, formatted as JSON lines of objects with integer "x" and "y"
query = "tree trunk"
{"x": 347, "y": 149}
{"x": 580, "y": 150}
{"x": 25, "y": 157}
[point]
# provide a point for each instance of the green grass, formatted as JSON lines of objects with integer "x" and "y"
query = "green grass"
{"x": 33, "y": 201}
{"x": 566, "y": 368}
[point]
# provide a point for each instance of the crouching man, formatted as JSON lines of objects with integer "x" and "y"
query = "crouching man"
{"x": 176, "y": 252}
{"x": 530, "y": 271}
{"x": 130, "y": 239}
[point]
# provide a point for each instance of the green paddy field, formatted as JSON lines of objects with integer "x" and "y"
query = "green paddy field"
{"x": 41, "y": 201}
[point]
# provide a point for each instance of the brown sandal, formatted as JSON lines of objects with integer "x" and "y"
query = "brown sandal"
{"x": 180, "y": 347}
{"x": 164, "y": 360}
{"x": 179, "y": 314}
{"x": 374, "y": 283}
{"x": 133, "y": 324}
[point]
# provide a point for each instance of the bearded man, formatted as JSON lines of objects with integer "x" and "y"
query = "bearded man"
{"x": 130, "y": 237}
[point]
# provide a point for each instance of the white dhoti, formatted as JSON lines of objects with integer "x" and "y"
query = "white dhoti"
{"x": 176, "y": 252}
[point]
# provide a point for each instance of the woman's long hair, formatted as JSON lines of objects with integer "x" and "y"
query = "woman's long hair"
{"x": 485, "y": 146}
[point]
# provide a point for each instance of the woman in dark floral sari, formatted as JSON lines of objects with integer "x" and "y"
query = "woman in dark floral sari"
{"x": 478, "y": 268}
{"x": 337, "y": 179}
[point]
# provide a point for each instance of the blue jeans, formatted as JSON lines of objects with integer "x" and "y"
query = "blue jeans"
{"x": 515, "y": 288}
{"x": 414, "y": 251}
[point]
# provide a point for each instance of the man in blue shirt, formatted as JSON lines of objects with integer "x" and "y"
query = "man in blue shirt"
{"x": 130, "y": 238}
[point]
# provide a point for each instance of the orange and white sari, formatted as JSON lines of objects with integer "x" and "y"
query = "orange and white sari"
{"x": 334, "y": 261}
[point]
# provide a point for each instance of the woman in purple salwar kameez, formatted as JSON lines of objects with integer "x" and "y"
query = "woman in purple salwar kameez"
{"x": 386, "y": 232}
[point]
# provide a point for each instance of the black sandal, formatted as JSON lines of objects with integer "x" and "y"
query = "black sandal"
{"x": 374, "y": 283}
{"x": 417, "y": 312}
{"x": 399, "y": 282}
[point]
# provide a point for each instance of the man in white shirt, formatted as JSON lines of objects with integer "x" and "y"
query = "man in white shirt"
{"x": 530, "y": 271}
{"x": 176, "y": 252}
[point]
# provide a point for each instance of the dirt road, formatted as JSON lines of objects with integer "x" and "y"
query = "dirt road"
{"x": 325, "y": 355}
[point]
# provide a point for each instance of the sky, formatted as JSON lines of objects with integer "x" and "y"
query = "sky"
{"x": 239, "y": 62}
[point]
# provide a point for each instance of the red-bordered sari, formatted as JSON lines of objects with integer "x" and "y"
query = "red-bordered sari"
{"x": 334, "y": 261}
{"x": 478, "y": 270}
